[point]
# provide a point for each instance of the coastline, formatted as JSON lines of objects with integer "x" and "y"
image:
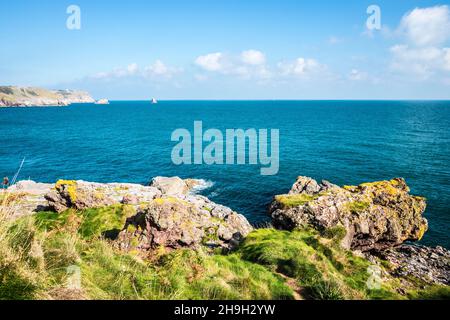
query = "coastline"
{"x": 167, "y": 221}
{"x": 12, "y": 96}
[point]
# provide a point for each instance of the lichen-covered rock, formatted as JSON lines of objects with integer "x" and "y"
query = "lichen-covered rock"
{"x": 168, "y": 213}
{"x": 430, "y": 265}
{"x": 375, "y": 215}
{"x": 170, "y": 186}
{"x": 83, "y": 195}
{"x": 187, "y": 221}
{"x": 24, "y": 198}
{"x": 305, "y": 185}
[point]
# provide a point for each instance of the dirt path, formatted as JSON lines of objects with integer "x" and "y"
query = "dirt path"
{"x": 292, "y": 283}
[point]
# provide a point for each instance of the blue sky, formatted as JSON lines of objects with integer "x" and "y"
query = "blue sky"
{"x": 229, "y": 49}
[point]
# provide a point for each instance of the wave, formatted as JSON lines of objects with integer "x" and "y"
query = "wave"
{"x": 202, "y": 185}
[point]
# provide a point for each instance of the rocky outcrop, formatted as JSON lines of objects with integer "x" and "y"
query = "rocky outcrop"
{"x": 11, "y": 96}
{"x": 83, "y": 195}
{"x": 176, "y": 186}
{"x": 375, "y": 216}
{"x": 25, "y": 198}
{"x": 430, "y": 265}
{"x": 187, "y": 221}
{"x": 30, "y": 187}
{"x": 168, "y": 213}
{"x": 170, "y": 186}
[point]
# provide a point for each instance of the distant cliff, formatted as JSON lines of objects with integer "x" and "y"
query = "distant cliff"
{"x": 11, "y": 96}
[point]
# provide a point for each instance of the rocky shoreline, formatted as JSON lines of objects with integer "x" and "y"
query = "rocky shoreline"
{"x": 168, "y": 213}
{"x": 376, "y": 221}
{"x": 11, "y": 96}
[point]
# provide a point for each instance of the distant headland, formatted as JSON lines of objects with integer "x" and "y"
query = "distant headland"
{"x": 13, "y": 96}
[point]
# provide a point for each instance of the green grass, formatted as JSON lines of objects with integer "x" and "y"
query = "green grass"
{"x": 434, "y": 292}
{"x": 337, "y": 233}
{"x": 74, "y": 239}
{"x": 36, "y": 252}
{"x": 295, "y": 200}
{"x": 88, "y": 223}
{"x": 21, "y": 261}
{"x": 320, "y": 266}
{"x": 197, "y": 275}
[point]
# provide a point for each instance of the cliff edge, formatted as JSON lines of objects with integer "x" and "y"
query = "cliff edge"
{"x": 12, "y": 96}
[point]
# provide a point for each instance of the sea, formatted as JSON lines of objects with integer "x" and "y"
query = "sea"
{"x": 345, "y": 142}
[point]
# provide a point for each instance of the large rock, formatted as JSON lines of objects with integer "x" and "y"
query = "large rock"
{"x": 167, "y": 213}
{"x": 83, "y": 195}
{"x": 24, "y": 198}
{"x": 170, "y": 186}
{"x": 188, "y": 221}
{"x": 30, "y": 187}
{"x": 175, "y": 186}
{"x": 375, "y": 215}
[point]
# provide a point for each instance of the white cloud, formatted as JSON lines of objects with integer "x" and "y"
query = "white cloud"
{"x": 157, "y": 70}
{"x": 100, "y": 75}
{"x": 423, "y": 62}
{"x": 423, "y": 53}
{"x": 446, "y": 59}
{"x": 132, "y": 68}
{"x": 253, "y": 57}
{"x": 357, "y": 75}
{"x": 211, "y": 61}
{"x": 249, "y": 64}
{"x": 427, "y": 26}
{"x": 301, "y": 67}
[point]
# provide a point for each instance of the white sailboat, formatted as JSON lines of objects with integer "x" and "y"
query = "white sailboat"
{"x": 154, "y": 101}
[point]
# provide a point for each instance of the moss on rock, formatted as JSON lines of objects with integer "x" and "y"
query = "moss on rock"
{"x": 294, "y": 200}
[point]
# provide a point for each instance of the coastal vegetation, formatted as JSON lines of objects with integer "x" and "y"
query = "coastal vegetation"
{"x": 36, "y": 253}
{"x": 99, "y": 252}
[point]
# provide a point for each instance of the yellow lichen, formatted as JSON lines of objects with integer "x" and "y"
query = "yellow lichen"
{"x": 131, "y": 228}
{"x": 161, "y": 201}
{"x": 99, "y": 195}
{"x": 383, "y": 186}
{"x": 71, "y": 187}
{"x": 128, "y": 210}
{"x": 422, "y": 229}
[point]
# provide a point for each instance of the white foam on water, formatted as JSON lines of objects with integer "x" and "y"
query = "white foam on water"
{"x": 203, "y": 185}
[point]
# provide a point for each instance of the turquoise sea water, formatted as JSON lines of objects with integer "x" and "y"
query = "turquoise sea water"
{"x": 345, "y": 142}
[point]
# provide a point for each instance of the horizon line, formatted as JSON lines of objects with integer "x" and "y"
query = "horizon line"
{"x": 168, "y": 100}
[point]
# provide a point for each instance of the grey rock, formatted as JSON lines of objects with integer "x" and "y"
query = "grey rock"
{"x": 375, "y": 216}
{"x": 31, "y": 187}
{"x": 182, "y": 222}
{"x": 431, "y": 265}
{"x": 305, "y": 185}
{"x": 83, "y": 195}
{"x": 173, "y": 186}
